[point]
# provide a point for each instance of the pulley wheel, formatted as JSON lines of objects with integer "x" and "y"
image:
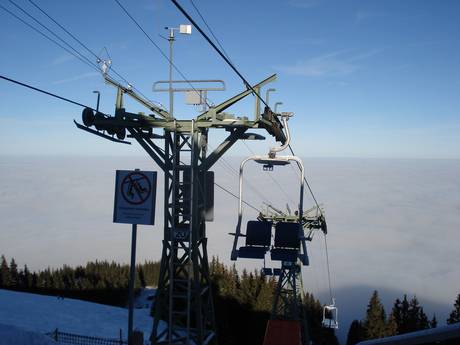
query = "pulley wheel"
{"x": 121, "y": 133}
{"x": 98, "y": 118}
{"x": 87, "y": 117}
{"x": 111, "y": 130}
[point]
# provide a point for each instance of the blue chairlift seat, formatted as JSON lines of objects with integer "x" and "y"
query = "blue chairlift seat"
{"x": 258, "y": 239}
{"x": 287, "y": 242}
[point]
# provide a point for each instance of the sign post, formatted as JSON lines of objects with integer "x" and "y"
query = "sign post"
{"x": 132, "y": 277}
{"x": 135, "y": 194}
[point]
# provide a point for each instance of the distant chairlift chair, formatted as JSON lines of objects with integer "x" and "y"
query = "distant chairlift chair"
{"x": 330, "y": 316}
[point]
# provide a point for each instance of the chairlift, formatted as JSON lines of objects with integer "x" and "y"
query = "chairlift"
{"x": 330, "y": 314}
{"x": 289, "y": 236}
{"x": 258, "y": 238}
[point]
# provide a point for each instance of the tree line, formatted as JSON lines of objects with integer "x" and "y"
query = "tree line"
{"x": 407, "y": 315}
{"x": 100, "y": 281}
{"x": 242, "y": 301}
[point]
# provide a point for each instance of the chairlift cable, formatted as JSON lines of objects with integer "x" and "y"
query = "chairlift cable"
{"x": 224, "y": 163}
{"x": 47, "y": 37}
{"x": 328, "y": 269}
{"x": 227, "y": 191}
{"x": 80, "y": 57}
{"x": 53, "y": 33}
{"x": 87, "y": 49}
{"x": 232, "y": 66}
{"x": 85, "y": 106}
{"x": 45, "y": 92}
{"x": 210, "y": 30}
{"x": 227, "y": 60}
{"x": 63, "y": 28}
{"x": 206, "y": 37}
{"x": 158, "y": 48}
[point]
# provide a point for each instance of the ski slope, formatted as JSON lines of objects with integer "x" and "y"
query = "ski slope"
{"x": 43, "y": 314}
{"x": 12, "y": 335}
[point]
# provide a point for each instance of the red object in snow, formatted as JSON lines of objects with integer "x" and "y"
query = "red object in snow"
{"x": 282, "y": 332}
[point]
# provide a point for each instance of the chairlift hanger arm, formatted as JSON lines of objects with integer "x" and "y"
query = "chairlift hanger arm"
{"x": 149, "y": 105}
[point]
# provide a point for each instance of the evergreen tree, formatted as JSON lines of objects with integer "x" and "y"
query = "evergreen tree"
{"x": 26, "y": 278}
{"x": 434, "y": 322}
{"x": 400, "y": 315}
{"x": 392, "y": 326}
{"x": 454, "y": 316}
{"x": 356, "y": 333}
{"x": 14, "y": 274}
{"x": 375, "y": 322}
{"x": 409, "y": 316}
{"x": 5, "y": 280}
{"x": 423, "y": 322}
{"x": 141, "y": 275}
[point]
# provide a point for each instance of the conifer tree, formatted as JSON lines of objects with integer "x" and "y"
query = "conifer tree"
{"x": 434, "y": 322}
{"x": 454, "y": 316}
{"x": 409, "y": 316}
{"x": 25, "y": 278}
{"x": 375, "y": 322}
{"x": 400, "y": 315}
{"x": 392, "y": 326}
{"x": 423, "y": 322}
{"x": 4, "y": 273}
{"x": 356, "y": 333}
{"x": 141, "y": 275}
{"x": 14, "y": 274}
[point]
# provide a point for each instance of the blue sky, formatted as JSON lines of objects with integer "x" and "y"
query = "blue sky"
{"x": 364, "y": 78}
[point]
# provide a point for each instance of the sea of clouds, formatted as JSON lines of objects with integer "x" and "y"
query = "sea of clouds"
{"x": 394, "y": 224}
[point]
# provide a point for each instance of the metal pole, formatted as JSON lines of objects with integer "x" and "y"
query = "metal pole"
{"x": 171, "y": 93}
{"x": 267, "y": 93}
{"x": 98, "y": 99}
{"x": 276, "y": 106}
{"x": 132, "y": 276}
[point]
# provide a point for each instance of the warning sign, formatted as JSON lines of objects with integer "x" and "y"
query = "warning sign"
{"x": 135, "y": 194}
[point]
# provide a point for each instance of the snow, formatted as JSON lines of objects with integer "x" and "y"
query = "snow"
{"x": 44, "y": 314}
{"x": 11, "y": 335}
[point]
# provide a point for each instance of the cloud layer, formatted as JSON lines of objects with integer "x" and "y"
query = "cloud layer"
{"x": 393, "y": 224}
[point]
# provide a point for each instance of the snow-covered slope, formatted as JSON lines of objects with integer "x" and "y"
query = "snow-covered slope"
{"x": 11, "y": 335}
{"x": 46, "y": 313}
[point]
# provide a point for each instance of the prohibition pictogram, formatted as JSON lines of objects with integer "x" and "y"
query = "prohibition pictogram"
{"x": 136, "y": 188}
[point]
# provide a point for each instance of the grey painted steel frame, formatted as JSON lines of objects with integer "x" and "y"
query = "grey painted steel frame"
{"x": 184, "y": 260}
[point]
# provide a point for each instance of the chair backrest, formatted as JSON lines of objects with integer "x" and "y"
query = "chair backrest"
{"x": 258, "y": 233}
{"x": 287, "y": 235}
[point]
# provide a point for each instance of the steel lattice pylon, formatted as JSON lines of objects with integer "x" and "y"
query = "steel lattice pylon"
{"x": 184, "y": 297}
{"x": 287, "y": 301}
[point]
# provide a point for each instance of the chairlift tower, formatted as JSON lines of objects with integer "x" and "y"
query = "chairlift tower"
{"x": 288, "y": 296}
{"x": 184, "y": 297}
